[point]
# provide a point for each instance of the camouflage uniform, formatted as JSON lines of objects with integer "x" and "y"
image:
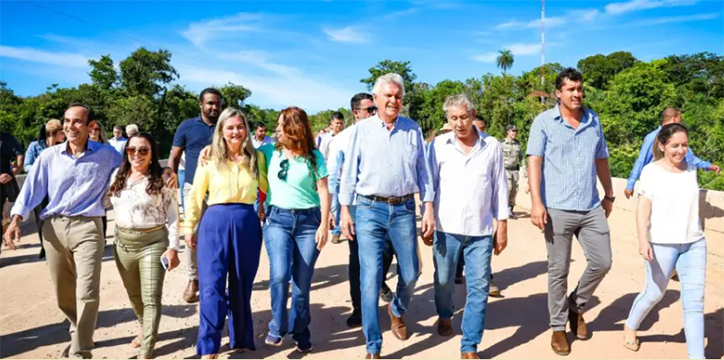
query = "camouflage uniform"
{"x": 512, "y": 156}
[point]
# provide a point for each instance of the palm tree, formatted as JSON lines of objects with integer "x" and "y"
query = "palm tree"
{"x": 505, "y": 60}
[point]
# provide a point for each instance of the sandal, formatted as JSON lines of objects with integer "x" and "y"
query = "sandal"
{"x": 632, "y": 345}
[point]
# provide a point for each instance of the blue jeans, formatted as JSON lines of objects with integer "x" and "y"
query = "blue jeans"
{"x": 181, "y": 180}
{"x": 336, "y": 210}
{"x": 690, "y": 263}
{"x": 289, "y": 240}
{"x": 376, "y": 223}
{"x": 476, "y": 250}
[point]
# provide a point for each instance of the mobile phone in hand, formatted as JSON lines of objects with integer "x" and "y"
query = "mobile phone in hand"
{"x": 164, "y": 262}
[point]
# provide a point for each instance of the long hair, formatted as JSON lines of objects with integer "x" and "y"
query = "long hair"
{"x": 667, "y": 131}
{"x": 219, "y": 150}
{"x": 298, "y": 134}
{"x": 102, "y": 138}
{"x": 155, "y": 172}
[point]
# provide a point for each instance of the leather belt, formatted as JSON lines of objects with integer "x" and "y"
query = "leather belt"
{"x": 394, "y": 200}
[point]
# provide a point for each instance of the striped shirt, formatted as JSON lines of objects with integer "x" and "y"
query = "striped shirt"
{"x": 569, "y": 166}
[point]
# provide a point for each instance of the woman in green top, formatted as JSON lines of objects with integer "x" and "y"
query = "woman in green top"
{"x": 296, "y": 226}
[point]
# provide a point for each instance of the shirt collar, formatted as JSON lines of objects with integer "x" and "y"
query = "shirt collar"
{"x": 586, "y": 119}
{"x": 91, "y": 146}
{"x": 450, "y": 139}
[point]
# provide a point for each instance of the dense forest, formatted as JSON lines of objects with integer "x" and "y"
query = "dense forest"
{"x": 628, "y": 94}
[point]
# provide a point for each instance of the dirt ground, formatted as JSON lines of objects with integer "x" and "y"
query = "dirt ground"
{"x": 31, "y": 326}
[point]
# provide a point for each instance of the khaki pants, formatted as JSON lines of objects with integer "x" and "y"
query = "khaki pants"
{"x": 512, "y": 177}
{"x": 138, "y": 258}
{"x": 74, "y": 251}
{"x": 189, "y": 255}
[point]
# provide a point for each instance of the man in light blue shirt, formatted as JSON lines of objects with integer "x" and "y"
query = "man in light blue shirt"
{"x": 385, "y": 167}
{"x": 646, "y": 154}
{"x": 74, "y": 175}
{"x": 118, "y": 142}
{"x": 566, "y": 153}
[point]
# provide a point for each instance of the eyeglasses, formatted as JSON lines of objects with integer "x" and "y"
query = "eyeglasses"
{"x": 143, "y": 151}
{"x": 285, "y": 169}
{"x": 369, "y": 110}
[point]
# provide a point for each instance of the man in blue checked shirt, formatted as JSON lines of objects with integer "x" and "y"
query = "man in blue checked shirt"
{"x": 566, "y": 152}
{"x": 646, "y": 154}
{"x": 385, "y": 168}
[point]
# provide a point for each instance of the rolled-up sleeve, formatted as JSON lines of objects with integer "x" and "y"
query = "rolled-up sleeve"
{"x": 350, "y": 170}
{"x": 424, "y": 177}
{"x": 601, "y": 147}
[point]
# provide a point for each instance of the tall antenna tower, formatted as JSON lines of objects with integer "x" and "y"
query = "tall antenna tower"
{"x": 542, "y": 48}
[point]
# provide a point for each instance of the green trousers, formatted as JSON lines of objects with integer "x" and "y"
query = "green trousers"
{"x": 138, "y": 258}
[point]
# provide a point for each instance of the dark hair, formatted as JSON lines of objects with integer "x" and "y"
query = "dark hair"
{"x": 91, "y": 115}
{"x": 667, "y": 131}
{"x": 570, "y": 74}
{"x": 41, "y": 134}
{"x": 155, "y": 172}
{"x": 210, "y": 91}
{"x": 479, "y": 117}
{"x": 669, "y": 113}
{"x": 357, "y": 99}
{"x": 259, "y": 125}
{"x": 119, "y": 127}
{"x": 337, "y": 116}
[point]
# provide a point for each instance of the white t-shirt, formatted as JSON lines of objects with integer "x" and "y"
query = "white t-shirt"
{"x": 674, "y": 204}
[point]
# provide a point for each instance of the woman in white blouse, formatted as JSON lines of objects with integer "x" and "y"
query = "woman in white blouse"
{"x": 146, "y": 234}
{"x": 670, "y": 236}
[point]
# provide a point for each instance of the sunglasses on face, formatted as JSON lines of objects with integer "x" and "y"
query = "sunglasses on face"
{"x": 143, "y": 151}
{"x": 285, "y": 169}
{"x": 369, "y": 110}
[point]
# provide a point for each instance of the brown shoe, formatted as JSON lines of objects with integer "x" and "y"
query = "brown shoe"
{"x": 191, "y": 293}
{"x": 469, "y": 355}
{"x": 372, "y": 356}
{"x": 444, "y": 327}
{"x": 493, "y": 291}
{"x": 578, "y": 325}
{"x": 397, "y": 324}
{"x": 335, "y": 239}
{"x": 559, "y": 343}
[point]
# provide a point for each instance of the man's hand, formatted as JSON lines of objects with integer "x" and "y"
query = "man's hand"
{"x": 12, "y": 234}
{"x": 500, "y": 239}
{"x": 539, "y": 215}
{"x": 261, "y": 213}
{"x": 347, "y": 224}
{"x": 715, "y": 168}
{"x": 190, "y": 240}
{"x": 628, "y": 193}
{"x": 332, "y": 221}
{"x": 170, "y": 180}
{"x": 321, "y": 236}
{"x": 205, "y": 156}
{"x": 5, "y": 178}
{"x": 428, "y": 224}
{"x": 607, "y": 207}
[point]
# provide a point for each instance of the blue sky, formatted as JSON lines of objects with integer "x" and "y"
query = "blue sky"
{"x": 313, "y": 54}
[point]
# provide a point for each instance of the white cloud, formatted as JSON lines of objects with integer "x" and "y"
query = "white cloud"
{"x": 198, "y": 33}
{"x": 398, "y": 14}
{"x": 675, "y": 19}
{"x": 45, "y": 57}
{"x": 523, "y": 49}
{"x": 637, "y": 5}
{"x": 259, "y": 59}
{"x": 349, "y": 34}
{"x": 532, "y": 24}
{"x": 486, "y": 57}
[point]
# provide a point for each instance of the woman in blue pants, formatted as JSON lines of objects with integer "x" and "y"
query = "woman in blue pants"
{"x": 229, "y": 234}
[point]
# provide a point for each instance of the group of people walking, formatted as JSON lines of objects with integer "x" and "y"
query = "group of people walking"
{"x": 242, "y": 190}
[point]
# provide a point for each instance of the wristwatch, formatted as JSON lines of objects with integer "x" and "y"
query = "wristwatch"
{"x": 610, "y": 198}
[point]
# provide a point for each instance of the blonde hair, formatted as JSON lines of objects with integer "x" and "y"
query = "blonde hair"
{"x": 219, "y": 150}
{"x": 52, "y": 126}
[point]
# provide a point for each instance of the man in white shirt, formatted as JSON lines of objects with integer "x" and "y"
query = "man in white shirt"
{"x": 118, "y": 142}
{"x": 471, "y": 192}
{"x": 260, "y": 138}
{"x": 337, "y": 125}
{"x": 131, "y": 130}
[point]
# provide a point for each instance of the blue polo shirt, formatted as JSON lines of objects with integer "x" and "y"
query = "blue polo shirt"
{"x": 193, "y": 135}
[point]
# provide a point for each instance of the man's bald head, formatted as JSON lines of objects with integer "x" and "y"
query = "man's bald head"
{"x": 670, "y": 115}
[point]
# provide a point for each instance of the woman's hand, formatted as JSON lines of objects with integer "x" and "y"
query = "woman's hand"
{"x": 646, "y": 251}
{"x": 172, "y": 256}
{"x": 190, "y": 240}
{"x": 321, "y": 237}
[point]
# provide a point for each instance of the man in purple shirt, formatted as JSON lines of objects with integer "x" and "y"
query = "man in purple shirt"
{"x": 74, "y": 176}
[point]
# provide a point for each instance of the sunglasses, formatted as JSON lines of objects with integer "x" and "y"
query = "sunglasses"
{"x": 285, "y": 169}
{"x": 370, "y": 110}
{"x": 143, "y": 151}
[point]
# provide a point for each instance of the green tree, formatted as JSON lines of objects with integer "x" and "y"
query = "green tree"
{"x": 234, "y": 95}
{"x": 599, "y": 69}
{"x": 144, "y": 72}
{"x": 505, "y": 60}
{"x": 401, "y": 68}
{"x": 102, "y": 73}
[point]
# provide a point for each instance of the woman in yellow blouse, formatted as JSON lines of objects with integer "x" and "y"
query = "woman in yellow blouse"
{"x": 229, "y": 235}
